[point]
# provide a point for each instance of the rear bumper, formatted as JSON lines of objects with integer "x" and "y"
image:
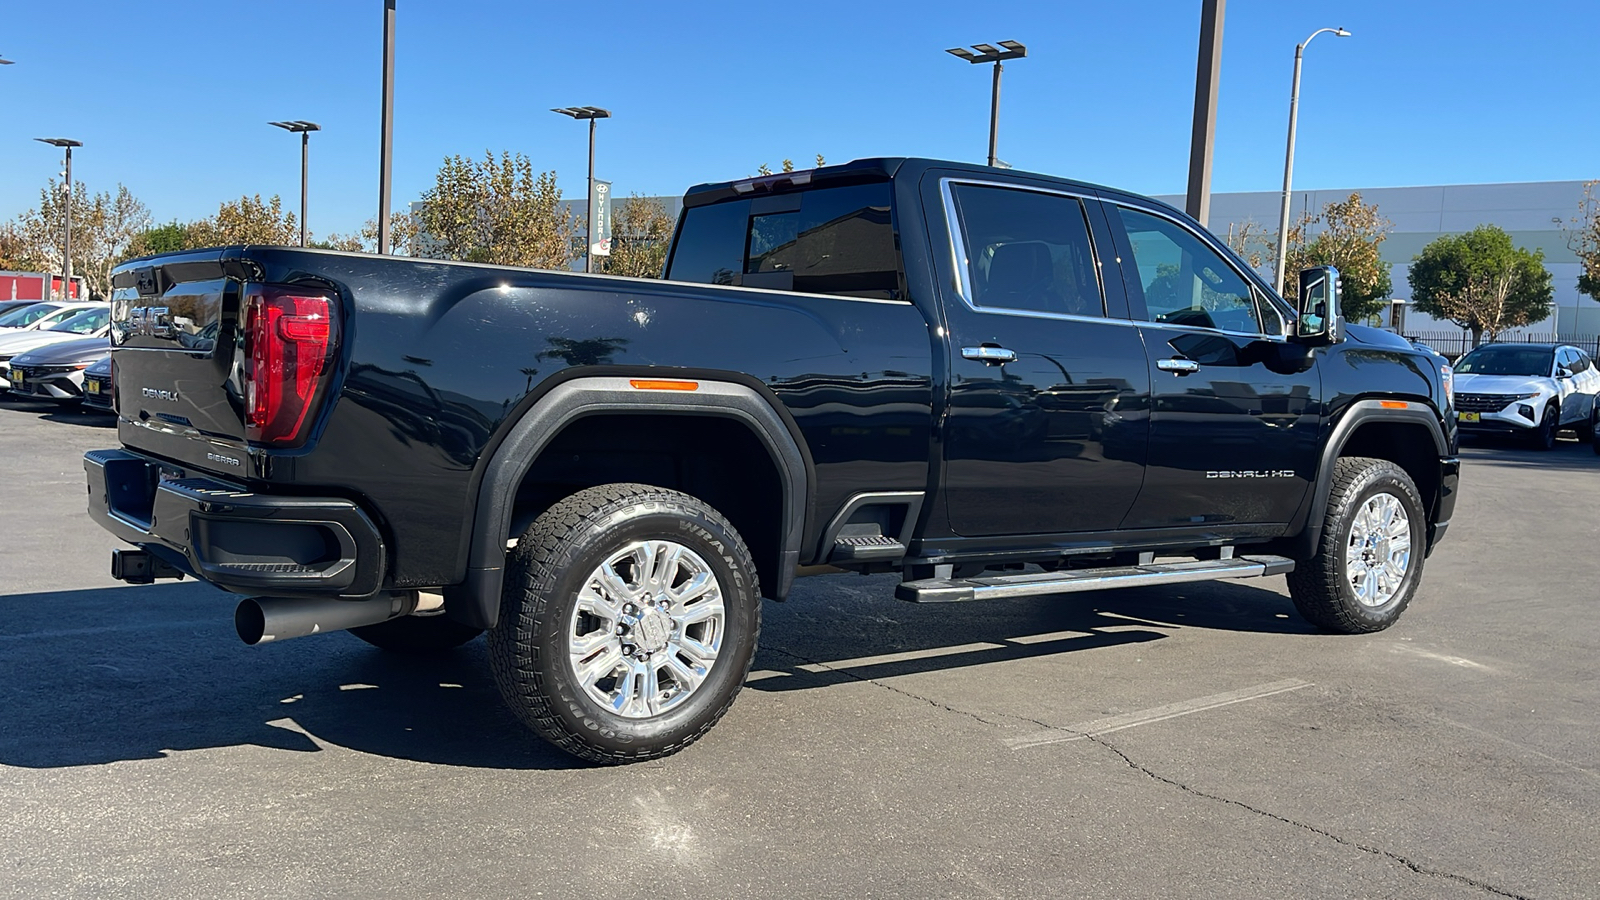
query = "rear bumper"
{"x": 234, "y": 538}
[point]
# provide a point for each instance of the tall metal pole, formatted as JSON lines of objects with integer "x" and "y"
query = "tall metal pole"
{"x": 1208, "y": 67}
{"x": 588, "y": 253}
{"x": 1288, "y": 160}
{"x": 305, "y": 157}
{"x": 1288, "y": 170}
{"x": 66, "y": 283}
{"x": 386, "y": 148}
{"x": 994, "y": 117}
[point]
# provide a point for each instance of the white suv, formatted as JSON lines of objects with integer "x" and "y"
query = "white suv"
{"x": 1527, "y": 389}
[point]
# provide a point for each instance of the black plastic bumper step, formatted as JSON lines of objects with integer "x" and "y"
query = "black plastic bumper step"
{"x": 954, "y": 590}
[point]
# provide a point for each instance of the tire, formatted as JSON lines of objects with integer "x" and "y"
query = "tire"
{"x": 1586, "y": 430}
{"x": 417, "y": 635}
{"x": 1544, "y": 437}
{"x": 567, "y": 650}
{"x": 1324, "y": 587}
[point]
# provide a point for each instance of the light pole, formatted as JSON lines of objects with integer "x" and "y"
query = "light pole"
{"x": 592, "y": 113}
{"x": 303, "y": 129}
{"x": 66, "y": 250}
{"x": 1208, "y": 72}
{"x": 1288, "y": 159}
{"x": 386, "y": 139}
{"x": 988, "y": 53}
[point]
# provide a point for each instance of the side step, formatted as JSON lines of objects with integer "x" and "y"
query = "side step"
{"x": 953, "y": 590}
{"x": 866, "y": 548}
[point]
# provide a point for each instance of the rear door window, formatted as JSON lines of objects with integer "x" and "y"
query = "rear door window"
{"x": 1027, "y": 251}
{"x": 824, "y": 241}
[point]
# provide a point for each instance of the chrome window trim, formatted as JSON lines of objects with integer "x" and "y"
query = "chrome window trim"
{"x": 958, "y": 247}
{"x": 963, "y": 285}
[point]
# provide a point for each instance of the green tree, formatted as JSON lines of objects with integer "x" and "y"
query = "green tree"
{"x": 1482, "y": 282}
{"x": 641, "y": 229}
{"x": 1583, "y": 236}
{"x": 169, "y": 238}
{"x": 105, "y": 227}
{"x": 1351, "y": 239}
{"x": 495, "y": 211}
{"x": 11, "y": 246}
{"x": 247, "y": 220}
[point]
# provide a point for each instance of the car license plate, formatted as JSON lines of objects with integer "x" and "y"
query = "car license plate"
{"x": 93, "y": 387}
{"x": 19, "y": 380}
{"x": 1470, "y": 417}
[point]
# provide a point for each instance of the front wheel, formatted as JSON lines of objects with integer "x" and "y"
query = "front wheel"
{"x": 1544, "y": 437}
{"x": 1369, "y": 559}
{"x": 1587, "y": 429}
{"x": 628, "y": 623}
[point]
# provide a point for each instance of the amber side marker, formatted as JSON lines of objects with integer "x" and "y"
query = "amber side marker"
{"x": 1393, "y": 404}
{"x": 645, "y": 384}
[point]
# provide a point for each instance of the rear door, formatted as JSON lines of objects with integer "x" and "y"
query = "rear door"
{"x": 1235, "y": 415}
{"x": 1049, "y": 387}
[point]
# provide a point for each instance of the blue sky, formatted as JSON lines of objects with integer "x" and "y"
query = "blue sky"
{"x": 172, "y": 97}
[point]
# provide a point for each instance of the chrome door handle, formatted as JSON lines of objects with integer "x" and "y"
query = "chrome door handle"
{"x": 989, "y": 354}
{"x": 1178, "y": 366}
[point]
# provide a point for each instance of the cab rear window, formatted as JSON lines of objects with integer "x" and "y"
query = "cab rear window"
{"x": 824, "y": 241}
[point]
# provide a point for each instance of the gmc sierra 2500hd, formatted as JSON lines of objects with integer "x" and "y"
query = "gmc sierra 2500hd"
{"x": 996, "y": 383}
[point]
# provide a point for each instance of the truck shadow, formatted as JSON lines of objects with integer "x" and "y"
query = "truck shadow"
{"x": 134, "y": 673}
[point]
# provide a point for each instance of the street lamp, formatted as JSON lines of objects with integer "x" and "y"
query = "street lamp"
{"x": 988, "y": 53}
{"x": 66, "y": 251}
{"x": 303, "y": 129}
{"x": 591, "y": 113}
{"x": 386, "y": 129}
{"x": 1288, "y": 160}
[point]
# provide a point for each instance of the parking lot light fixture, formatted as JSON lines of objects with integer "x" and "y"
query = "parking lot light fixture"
{"x": 303, "y": 129}
{"x": 1288, "y": 160}
{"x": 988, "y": 53}
{"x": 66, "y": 244}
{"x": 592, "y": 113}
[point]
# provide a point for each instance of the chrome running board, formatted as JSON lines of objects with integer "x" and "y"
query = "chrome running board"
{"x": 954, "y": 590}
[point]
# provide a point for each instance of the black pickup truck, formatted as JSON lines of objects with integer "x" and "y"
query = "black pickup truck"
{"x": 995, "y": 383}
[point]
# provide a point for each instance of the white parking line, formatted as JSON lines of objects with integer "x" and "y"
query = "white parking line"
{"x": 1107, "y": 725}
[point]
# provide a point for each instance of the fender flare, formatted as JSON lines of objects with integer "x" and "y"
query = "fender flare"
{"x": 1361, "y": 412}
{"x": 476, "y": 601}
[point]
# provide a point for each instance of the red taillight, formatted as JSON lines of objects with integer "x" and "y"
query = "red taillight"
{"x": 290, "y": 334}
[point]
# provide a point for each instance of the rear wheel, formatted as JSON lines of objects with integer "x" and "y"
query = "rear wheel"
{"x": 417, "y": 635}
{"x": 628, "y": 623}
{"x": 1544, "y": 437}
{"x": 1369, "y": 558}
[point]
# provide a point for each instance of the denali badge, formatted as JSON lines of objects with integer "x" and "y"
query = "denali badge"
{"x": 155, "y": 394}
{"x": 1269, "y": 473}
{"x": 219, "y": 458}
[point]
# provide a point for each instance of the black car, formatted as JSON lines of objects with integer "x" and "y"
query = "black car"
{"x": 97, "y": 385}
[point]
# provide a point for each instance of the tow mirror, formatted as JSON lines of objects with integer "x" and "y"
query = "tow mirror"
{"x": 1318, "y": 322}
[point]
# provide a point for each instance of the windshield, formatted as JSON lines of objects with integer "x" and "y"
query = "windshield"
{"x": 1531, "y": 361}
{"x": 27, "y": 315}
{"x": 85, "y": 322}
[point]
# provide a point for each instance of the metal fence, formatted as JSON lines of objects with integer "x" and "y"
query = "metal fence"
{"x": 1455, "y": 343}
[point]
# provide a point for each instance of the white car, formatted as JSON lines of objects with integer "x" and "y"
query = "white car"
{"x": 95, "y": 321}
{"x": 40, "y": 316}
{"x": 1532, "y": 390}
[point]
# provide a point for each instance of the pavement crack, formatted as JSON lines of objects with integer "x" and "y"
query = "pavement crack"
{"x": 892, "y": 689}
{"x": 1403, "y": 860}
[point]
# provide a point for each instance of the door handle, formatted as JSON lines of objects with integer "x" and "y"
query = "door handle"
{"x": 1178, "y": 366}
{"x": 989, "y": 354}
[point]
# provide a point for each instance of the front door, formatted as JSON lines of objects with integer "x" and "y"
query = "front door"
{"x": 1235, "y": 410}
{"x": 1046, "y": 427}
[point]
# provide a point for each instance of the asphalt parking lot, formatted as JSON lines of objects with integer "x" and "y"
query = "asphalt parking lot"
{"x": 1199, "y": 741}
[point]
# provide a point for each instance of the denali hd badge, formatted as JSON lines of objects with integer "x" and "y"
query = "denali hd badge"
{"x": 1267, "y": 473}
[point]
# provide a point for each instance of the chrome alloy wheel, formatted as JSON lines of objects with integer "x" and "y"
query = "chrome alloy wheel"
{"x": 646, "y": 629}
{"x": 1379, "y": 552}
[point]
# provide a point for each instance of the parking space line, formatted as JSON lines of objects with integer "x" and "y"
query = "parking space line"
{"x": 1109, "y": 724}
